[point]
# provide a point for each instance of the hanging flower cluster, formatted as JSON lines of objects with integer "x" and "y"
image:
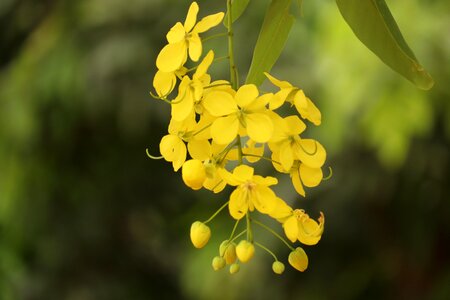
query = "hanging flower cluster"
{"x": 216, "y": 134}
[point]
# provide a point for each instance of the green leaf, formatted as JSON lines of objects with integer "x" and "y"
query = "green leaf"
{"x": 237, "y": 9}
{"x": 272, "y": 37}
{"x": 375, "y": 27}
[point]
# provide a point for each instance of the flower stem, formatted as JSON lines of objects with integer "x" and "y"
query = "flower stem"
{"x": 151, "y": 156}
{"x": 216, "y": 213}
{"x": 237, "y": 236}
{"x": 234, "y": 229}
{"x": 239, "y": 144}
{"x": 274, "y": 233}
{"x": 233, "y": 69}
{"x": 214, "y": 36}
{"x": 267, "y": 250}
{"x": 249, "y": 228}
{"x": 262, "y": 157}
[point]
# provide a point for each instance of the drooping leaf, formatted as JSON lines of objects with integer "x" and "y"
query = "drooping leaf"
{"x": 375, "y": 27}
{"x": 272, "y": 37}
{"x": 237, "y": 9}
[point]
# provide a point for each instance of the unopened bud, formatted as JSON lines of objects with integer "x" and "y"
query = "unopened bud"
{"x": 200, "y": 234}
{"x": 298, "y": 259}
{"x": 278, "y": 267}
{"x": 218, "y": 263}
{"x": 193, "y": 174}
{"x": 245, "y": 251}
{"x": 234, "y": 268}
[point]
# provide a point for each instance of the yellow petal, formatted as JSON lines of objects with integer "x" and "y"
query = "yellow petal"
{"x": 167, "y": 146}
{"x": 238, "y": 205}
{"x": 173, "y": 149}
{"x": 310, "y": 152}
{"x": 295, "y": 176}
{"x": 276, "y": 162}
{"x": 295, "y": 125}
{"x": 183, "y": 106}
{"x": 263, "y": 198}
{"x": 176, "y": 33}
{"x": 314, "y": 114}
{"x": 243, "y": 173}
{"x": 219, "y": 103}
{"x": 204, "y": 65}
{"x": 172, "y": 57}
{"x": 246, "y": 94}
{"x": 290, "y": 227}
{"x": 310, "y": 177}
{"x": 279, "y": 98}
{"x": 286, "y": 155}
{"x": 225, "y": 129}
{"x": 191, "y": 17}
{"x": 259, "y": 127}
{"x": 281, "y": 211}
{"x": 309, "y": 231}
{"x": 200, "y": 150}
{"x": 245, "y": 251}
{"x": 195, "y": 47}
{"x": 260, "y": 103}
{"x": 164, "y": 83}
{"x": 300, "y": 101}
{"x": 228, "y": 177}
{"x": 208, "y": 22}
{"x": 277, "y": 82}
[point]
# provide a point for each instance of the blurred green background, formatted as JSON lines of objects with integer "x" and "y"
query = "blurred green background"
{"x": 84, "y": 214}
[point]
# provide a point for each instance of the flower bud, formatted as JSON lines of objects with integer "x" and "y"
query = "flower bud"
{"x": 200, "y": 234}
{"x": 230, "y": 254}
{"x": 245, "y": 251}
{"x": 223, "y": 246}
{"x": 228, "y": 251}
{"x": 278, "y": 267}
{"x": 193, "y": 174}
{"x": 298, "y": 259}
{"x": 234, "y": 268}
{"x": 218, "y": 263}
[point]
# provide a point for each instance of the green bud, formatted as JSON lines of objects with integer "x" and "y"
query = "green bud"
{"x": 218, "y": 263}
{"x": 278, "y": 267}
{"x": 234, "y": 268}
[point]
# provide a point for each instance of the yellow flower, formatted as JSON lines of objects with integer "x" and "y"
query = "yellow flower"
{"x": 165, "y": 82}
{"x": 185, "y": 37}
{"x": 245, "y": 251}
{"x": 190, "y": 92}
{"x": 193, "y": 174}
{"x": 301, "y": 158}
{"x": 301, "y": 173}
{"x": 173, "y": 147}
{"x": 200, "y": 234}
{"x": 252, "y": 191}
{"x": 298, "y": 259}
{"x": 299, "y": 226}
{"x": 296, "y": 96}
{"x": 243, "y": 111}
{"x": 286, "y": 139}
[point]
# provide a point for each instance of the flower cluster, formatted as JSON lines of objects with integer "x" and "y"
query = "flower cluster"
{"x": 217, "y": 133}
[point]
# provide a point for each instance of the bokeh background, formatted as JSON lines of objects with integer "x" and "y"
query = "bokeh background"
{"x": 84, "y": 214}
